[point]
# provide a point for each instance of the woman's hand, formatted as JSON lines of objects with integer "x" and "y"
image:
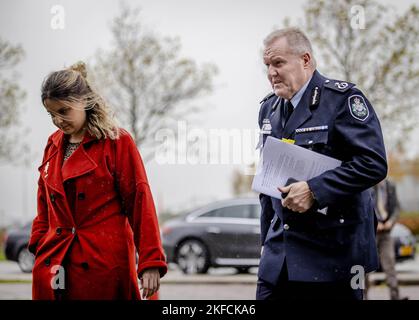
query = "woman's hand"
{"x": 150, "y": 282}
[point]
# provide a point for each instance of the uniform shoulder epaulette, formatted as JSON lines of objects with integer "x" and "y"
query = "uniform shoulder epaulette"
{"x": 268, "y": 96}
{"x": 340, "y": 86}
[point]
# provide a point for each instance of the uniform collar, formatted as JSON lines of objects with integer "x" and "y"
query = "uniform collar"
{"x": 303, "y": 113}
{"x": 297, "y": 97}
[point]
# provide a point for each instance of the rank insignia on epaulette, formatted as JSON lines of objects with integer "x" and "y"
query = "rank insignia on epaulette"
{"x": 340, "y": 86}
{"x": 358, "y": 107}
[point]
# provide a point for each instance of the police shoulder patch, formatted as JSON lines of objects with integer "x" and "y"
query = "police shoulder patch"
{"x": 340, "y": 86}
{"x": 268, "y": 96}
{"x": 358, "y": 107}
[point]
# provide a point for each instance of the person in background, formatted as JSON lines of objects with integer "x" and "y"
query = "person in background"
{"x": 387, "y": 209}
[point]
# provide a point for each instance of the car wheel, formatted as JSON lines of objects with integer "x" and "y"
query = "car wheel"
{"x": 192, "y": 257}
{"x": 25, "y": 260}
{"x": 242, "y": 270}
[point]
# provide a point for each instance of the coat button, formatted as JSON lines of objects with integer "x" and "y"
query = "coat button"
{"x": 58, "y": 231}
{"x": 85, "y": 265}
{"x": 81, "y": 196}
{"x": 286, "y": 227}
{"x": 52, "y": 197}
{"x": 73, "y": 230}
{"x": 47, "y": 261}
{"x": 341, "y": 220}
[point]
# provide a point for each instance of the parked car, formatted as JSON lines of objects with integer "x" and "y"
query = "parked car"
{"x": 227, "y": 234}
{"x": 16, "y": 247}
{"x": 404, "y": 242}
{"x": 222, "y": 234}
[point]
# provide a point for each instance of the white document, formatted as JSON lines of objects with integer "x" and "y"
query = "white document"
{"x": 281, "y": 161}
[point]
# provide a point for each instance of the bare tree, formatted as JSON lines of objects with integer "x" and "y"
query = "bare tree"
{"x": 146, "y": 80}
{"x": 11, "y": 97}
{"x": 381, "y": 59}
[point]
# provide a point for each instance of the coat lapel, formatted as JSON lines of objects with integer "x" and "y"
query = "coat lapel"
{"x": 302, "y": 112}
{"x": 79, "y": 163}
{"x": 50, "y": 169}
{"x": 275, "y": 120}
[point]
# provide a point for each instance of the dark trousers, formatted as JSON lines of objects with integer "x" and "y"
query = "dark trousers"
{"x": 298, "y": 290}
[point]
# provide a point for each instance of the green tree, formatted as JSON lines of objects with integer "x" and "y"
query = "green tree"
{"x": 11, "y": 98}
{"x": 146, "y": 79}
{"x": 381, "y": 59}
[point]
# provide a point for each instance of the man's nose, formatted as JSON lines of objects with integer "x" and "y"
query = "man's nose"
{"x": 272, "y": 71}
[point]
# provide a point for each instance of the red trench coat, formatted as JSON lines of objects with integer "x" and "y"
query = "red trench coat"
{"x": 94, "y": 237}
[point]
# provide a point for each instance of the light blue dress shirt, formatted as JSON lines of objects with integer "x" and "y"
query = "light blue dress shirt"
{"x": 295, "y": 100}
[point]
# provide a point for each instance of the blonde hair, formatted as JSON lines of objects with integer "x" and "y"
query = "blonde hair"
{"x": 71, "y": 85}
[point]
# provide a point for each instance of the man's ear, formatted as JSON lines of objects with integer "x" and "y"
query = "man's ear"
{"x": 306, "y": 60}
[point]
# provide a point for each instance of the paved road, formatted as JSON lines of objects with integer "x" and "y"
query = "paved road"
{"x": 220, "y": 284}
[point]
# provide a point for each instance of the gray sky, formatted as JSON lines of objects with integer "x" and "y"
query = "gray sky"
{"x": 227, "y": 33}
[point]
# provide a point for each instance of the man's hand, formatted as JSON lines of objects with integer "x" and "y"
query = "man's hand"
{"x": 299, "y": 198}
{"x": 386, "y": 226}
{"x": 150, "y": 282}
{"x": 380, "y": 227}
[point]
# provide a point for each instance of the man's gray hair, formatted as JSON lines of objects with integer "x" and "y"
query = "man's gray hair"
{"x": 296, "y": 39}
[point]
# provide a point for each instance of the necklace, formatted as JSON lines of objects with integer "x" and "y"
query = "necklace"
{"x": 70, "y": 148}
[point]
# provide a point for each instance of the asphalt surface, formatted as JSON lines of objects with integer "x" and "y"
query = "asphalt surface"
{"x": 218, "y": 284}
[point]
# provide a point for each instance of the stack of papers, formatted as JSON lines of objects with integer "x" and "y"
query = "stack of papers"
{"x": 281, "y": 161}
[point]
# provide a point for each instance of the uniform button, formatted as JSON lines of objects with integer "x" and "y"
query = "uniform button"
{"x": 310, "y": 142}
{"x": 327, "y": 81}
{"x": 272, "y": 220}
{"x": 52, "y": 197}
{"x": 81, "y": 196}
{"x": 73, "y": 230}
{"x": 341, "y": 220}
{"x": 58, "y": 231}
{"x": 286, "y": 227}
{"x": 85, "y": 265}
{"x": 47, "y": 261}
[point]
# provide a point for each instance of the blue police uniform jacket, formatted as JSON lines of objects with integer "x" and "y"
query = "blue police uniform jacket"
{"x": 335, "y": 119}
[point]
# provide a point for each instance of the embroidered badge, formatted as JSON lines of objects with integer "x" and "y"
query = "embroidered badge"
{"x": 266, "y": 127}
{"x": 358, "y": 107}
{"x": 314, "y": 97}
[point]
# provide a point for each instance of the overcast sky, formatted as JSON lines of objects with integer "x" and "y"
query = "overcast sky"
{"x": 226, "y": 33}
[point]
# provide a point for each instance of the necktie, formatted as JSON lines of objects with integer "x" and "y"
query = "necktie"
{"x": 288, "y": 109}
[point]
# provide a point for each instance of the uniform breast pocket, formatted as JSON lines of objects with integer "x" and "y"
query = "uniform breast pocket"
{"x": 315, "y": 140}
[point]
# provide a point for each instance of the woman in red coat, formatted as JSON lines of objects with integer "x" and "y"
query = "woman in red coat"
{"x": 95, "y": 208}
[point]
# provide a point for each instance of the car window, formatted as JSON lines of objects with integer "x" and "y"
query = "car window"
{"x": 239, "y": 211}
{"x": 255, "y": 212}
{"x": 209, "y": 214}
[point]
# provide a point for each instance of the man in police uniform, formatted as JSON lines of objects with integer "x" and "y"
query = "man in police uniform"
{"x": 321, "y": 236}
